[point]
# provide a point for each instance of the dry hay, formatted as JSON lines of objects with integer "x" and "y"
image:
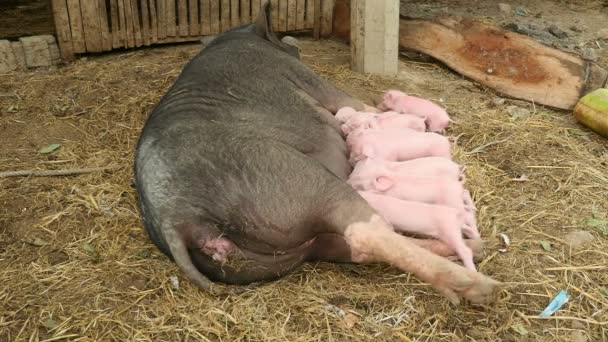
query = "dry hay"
{"x": 77, "y": 265}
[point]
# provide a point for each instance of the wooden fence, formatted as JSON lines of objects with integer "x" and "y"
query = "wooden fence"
{"x": 103, "y": 25}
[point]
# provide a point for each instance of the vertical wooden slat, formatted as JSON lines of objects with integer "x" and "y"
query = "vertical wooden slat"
{"x": 161, "y": 14}
{"x": 234, "y": 13}
{"x": 76, "y": 26}
{"x": 310, "y": 14}
{"x": 274, "y": 7}
{"x": 136, "y": 23}
{"x": 153, "y": 22}
{"x": 129, "y": 24}
{"x": 245, "y": 12}
{"x": 327, "y": 18}
{"x": 255, "y": 9}
{"x": 214, "y": 15}
{"x": 145, "y": 22}
{"x": 301, "y": 14}
{"x": 183, "y": 17}
{"x": 106, "y": 38}
{"x": 193, "y": 12}
{"x": 90, "y": 24}
{"x": 291, "y": 15}
{"x": 204, "y": 17}
{"x": 170, "y": 17}
{"x": 317, "y": 20}
{"x": 124, "y": 41}
{"x": 62, "y": 27}
{"x": 282, "y": 16}
{"x": 225, "y": 16}
{"x": 116, "y": 41}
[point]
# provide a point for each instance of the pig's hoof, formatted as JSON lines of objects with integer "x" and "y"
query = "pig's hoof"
{"x": 476, "y": 246}
{"x": 470, "y": 285}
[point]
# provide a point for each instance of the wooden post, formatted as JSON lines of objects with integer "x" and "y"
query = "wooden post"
{"x": 374, "y": 36}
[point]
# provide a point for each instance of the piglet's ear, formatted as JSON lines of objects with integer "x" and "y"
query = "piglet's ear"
{"x": 383, "y": 183}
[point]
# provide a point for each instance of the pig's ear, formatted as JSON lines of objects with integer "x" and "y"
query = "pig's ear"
{"x": 383, "y": 183}
{"x": 263, "y": 28}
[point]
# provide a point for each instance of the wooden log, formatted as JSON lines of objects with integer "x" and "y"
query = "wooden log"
{"x": 215, "y": 16}
{"x": 511, "y": 63}
{"x": 327, "y": 17}
{"x": 76, "y": 26}
{"x": 225, "y": 15}
{"x": 170, "y": 18}
{"x": 145, "y": 23}
{"x": 106, "y": 38}
{"x": 182, "y": 14}
{"x": 205, "y": 20}
{"x": 161, "y": 13}
{"x": 310, "y": 14}
{"x": 194, "y": 26}
{"x": 234, "y": 13}
{"x": 375, "y": 36}
{"x": 282, "y": 15}
{"x": 245, "y": 12}
{"x": 291, "y": 15}
{"x": 62, "y": 28}
{"x": 153, "y": 22}
{"x": 136, "y": 23}
{"x": 115, "y": 19}
{"x": 300, "y": 14}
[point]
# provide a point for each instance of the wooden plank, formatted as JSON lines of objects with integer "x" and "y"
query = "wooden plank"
{"x": 291, "y": 15}
{"x": 129, "y": 24}
{"x": 170, "y": 18}
{"x": 282, "y": 15}
{"x": 76, "y": 26}
{"x": 161, "y": 14}
{"x": 106, "y": 38}
{"x": 205, "y": 20}
{"x": 124, "y": 40}
{"x": 255, "y": 9}
{"x": 300, "y": 14}
{"x": 317, "y": 19}
{"x": 214, "y": 15}
{"x": 183, "y": 17}
{"x": 145, "y": 22}
{"x": 90, "y": 24}
{"x": 274, "y": 7}
{"x": 375, "y": 36}
{"x": 225, "y": 15}
{"x": 153, "y": 22}
{"x": 327, "y": 17}
{"x": 245, "y": 12}
{"x": 62, "y": 28}
{"x": 116, "y": 41}
{"x": 234, "y": 13}
{"x": 310, "y": 14}
{"x": 136, "y": 23}
{"x": 193, "y": 25}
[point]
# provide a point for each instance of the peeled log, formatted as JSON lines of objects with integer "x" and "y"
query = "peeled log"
{"x": 511, "y": 63}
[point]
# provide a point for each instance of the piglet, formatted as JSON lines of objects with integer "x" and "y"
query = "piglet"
{"x": 420, "y": 167}
{"x": 396, "y": 145}
{"x": 440, "y": 222}
{"x": 437, "y": 119}
{"x": 363, "y": 120}
{"x": 431, "y": 190}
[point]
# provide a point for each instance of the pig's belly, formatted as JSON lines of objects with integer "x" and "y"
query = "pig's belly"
{"x": 332, "y": 152}
{"x": 245, "y": 267}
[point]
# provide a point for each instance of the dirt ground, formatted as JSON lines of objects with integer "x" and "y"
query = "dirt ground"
{"x": 76, "y": 264}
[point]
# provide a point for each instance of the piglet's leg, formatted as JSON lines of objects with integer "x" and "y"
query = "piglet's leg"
{"x": 442, "y": 249}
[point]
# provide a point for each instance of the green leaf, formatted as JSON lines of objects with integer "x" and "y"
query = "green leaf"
{"x": 89, "y": 248}
{"x": 546, "y": 245}
{"x": 605, "y": 291}
{"x": 599, "y": 224}
{"x": 144, "y": 254}
{"x": 519, "y": 329}
{"x": 12, "y": 108}
{"x": 50, "y": 324}
{"x": 50, "y": 148}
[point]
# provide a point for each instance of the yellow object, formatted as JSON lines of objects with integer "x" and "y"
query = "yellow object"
{"x": 592, "y": 111}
